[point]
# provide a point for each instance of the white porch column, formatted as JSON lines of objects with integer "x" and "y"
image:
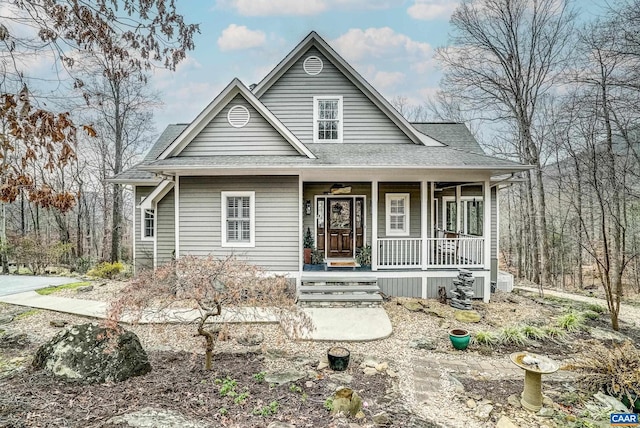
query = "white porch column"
{"x": 458, "y": 208}
{"x": 176, "y": 204}
{"x": 300, "y": 231}
{"x": 424, "y": 221}
{"x": 487, "y": 224}
{"x": 374, "y": 225}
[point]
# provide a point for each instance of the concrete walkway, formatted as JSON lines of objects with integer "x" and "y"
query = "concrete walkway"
{"x": 628, "y": 313}
{"x": 331, "y": 324}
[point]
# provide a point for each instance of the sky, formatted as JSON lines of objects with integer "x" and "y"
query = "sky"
{"x": 389, "y": 42}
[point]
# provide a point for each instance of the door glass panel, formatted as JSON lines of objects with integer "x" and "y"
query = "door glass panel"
{"x": 340, "y": 215}
{"x": 359, "y": 213}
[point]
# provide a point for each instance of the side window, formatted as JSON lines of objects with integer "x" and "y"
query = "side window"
{"x": 397, "y": 214}
{"x": 327, "y": 119}
{"x": 238, "y": 219}
{"x": 148, "y": 223}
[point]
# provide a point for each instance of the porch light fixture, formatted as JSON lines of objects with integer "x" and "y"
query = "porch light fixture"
{"x": 307, "y": 207}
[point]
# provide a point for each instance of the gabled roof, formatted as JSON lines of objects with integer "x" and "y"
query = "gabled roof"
{"x": 157, "y": 194}
{"x": 454, "y": 135}
{"x": 313, "y": 39}
{"x": 234, "y": 88}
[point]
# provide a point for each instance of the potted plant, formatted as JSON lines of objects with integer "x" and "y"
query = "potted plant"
{"x": 338, "y": 357}
{"x": 459, "y": 338}
{"x": 317, "y": 257}
{"x": 307, "y": 244}
{"x": 363, "y": 255}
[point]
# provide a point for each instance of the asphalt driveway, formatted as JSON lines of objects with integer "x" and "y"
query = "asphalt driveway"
{"x": 12, "y": 284}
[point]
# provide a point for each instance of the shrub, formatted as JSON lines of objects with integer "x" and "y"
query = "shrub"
{"x": 533, "y": 332}
{"x": 487, "y": 338}
{"x": 616, "y": 371}
{"x": 571, "y": 321}
{"x": 555, "y": 332}
{"x": 512, "y": 335}
{"x": 106, "y": 270}
{"x": 590, "y": 315}
{"x": 596, "y": 308}
{"x": 37, "y": 254}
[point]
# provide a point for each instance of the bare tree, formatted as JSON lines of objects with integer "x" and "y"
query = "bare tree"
{"x": 210, "y": 286}
{"x": 504, "y": 55}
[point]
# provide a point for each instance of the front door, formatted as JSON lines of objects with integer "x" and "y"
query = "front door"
{"x": 340, "y": 227}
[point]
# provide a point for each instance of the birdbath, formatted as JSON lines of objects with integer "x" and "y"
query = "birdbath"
{"x": 534, "y": 367}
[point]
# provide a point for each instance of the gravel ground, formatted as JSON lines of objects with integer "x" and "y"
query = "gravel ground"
{"x": 433, "y": 324}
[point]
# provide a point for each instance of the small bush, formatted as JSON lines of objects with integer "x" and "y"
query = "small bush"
{"x": 106, "y": 270}
{"x": 533, "y": 332}
{"x": 571, "y": 321}
{"x": 596, "y": 308}
{"x": 590, "y": 315}
{"x": 487, "y": 338}
{"x": 512, "y": 335}
{"x": 615, "y": 371}
{"x": 555, "y": 332}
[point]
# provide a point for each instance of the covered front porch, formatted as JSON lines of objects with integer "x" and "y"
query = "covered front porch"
{"x": 400, "y": 225}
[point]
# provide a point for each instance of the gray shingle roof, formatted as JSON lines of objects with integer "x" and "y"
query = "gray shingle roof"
{"x": 452, "y": 134}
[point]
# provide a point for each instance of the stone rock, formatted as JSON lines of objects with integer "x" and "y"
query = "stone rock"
{"x": 309, "y": 384}
{"x": 346, "y": 401}
{"x": 278, "y": 424}
{"x": 287, "y": 376}
{"x": 250, "y": 339}
{"x": 601, "y": 334}
{"x": 434, "y": 313}
{"x": 84, "y": 289}
{"x": 58, "y": 323}
{"x": 413, "y": 305}
{"x": 342, "y": 378}
{"x": 322, "y": 365}
{"x": 514, "y": 400}
{"x": 467, "y": 316}
{"x": 359, "y": 415}
{"x": 149, "y": 417}
{"x": 422, "y": 343}
{"x": 382, "y": 366}
{"x": 14, "y": 340}
{"x": 611, "y": 402}
{"x": 483, "y": 411}
{"x": 471, "y": 403}
{"x": 6, "y": 319}
{"x": 370, "y": 371}
{"x": 391, "y": 373}
{"x": 546, "y": 412}
{"x": 458, "y": 387}
{"x": 381, "y": 419}
{"x": 505, "y": 422}
{"x": 369, "y": 362}
{"x": 83, "y": 354}
{"x": 546, "y": 401}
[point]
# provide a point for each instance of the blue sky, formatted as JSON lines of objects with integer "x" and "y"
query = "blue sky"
{"x": 390, "y": 42}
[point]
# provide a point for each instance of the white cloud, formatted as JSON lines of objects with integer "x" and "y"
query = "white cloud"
{"x": 236, "y": 37}
{"x": 428, "y": 10}
{"x": 357, "y": 44}
{"x": 275, "y": 7}
{"x": 386, "y": 80}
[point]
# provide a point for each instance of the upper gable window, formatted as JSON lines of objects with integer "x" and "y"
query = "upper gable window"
{"x": 312, "y": 65}
{"x": 327, "y": 119}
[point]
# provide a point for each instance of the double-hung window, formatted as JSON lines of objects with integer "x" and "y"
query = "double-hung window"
{"x": 238, "y": 219}
{"x": 327, "y": 119}
{"x": 148, "y": 224}
{"x": 397, "y": 214}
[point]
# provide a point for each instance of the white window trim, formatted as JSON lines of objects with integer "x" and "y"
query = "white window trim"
{"x": 143, "y": 228}
{"x": 407, "y": 214}
{"x": 463, "y": 206}
{"x": 252, "y": 219}
{"x": 315, "y": 118}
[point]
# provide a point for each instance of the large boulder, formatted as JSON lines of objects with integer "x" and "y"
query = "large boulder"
{"x": 85, "y": 353}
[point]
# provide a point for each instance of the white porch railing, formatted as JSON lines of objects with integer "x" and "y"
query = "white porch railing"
{"x": 399, "y": 253}
{"x": 406, "y": 253}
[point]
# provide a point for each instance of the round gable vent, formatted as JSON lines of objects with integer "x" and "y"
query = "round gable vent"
{"x": 312, "y": 65}
{"x": 238, "y": 116}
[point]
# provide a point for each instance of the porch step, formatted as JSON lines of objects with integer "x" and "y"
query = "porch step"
{"x": 340, "y": 291}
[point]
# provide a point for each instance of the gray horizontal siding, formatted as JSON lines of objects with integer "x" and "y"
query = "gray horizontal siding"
{"x": 219, "y": 138}
{"x": 166, "y": 244}
{"x": 434, "y": 283}
{"x": 144, "y": 249}
{"x": 291, "y": 100}
{"x": 276, "y": 210}
{"x": 401, "y": 287}
{"x": 414, "y": 207}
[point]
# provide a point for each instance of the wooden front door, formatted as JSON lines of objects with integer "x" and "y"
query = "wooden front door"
{"x": 339, "y": 227}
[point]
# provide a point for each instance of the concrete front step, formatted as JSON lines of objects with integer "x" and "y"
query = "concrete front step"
{"x": 338, "y": 289}
{"x": 343, "y": 291}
